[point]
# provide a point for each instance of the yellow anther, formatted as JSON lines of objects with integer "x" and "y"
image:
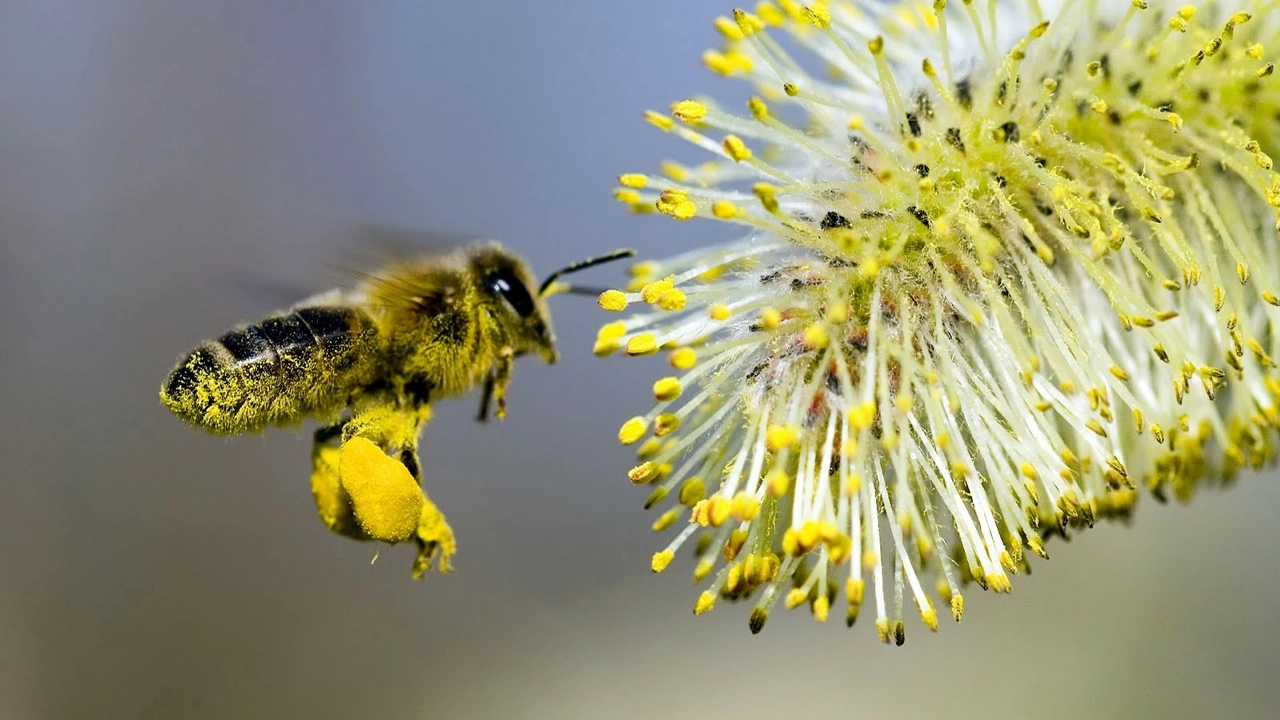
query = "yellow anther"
{"x": 613, "y": 301}
{"x": 791, "y": 89}
{"x": 632, "y": 430}
{"x": 676, "y": 204}
{"x": 661, "y": 560}
{"x": 745, "y": 507}
{"x": 770, "y": 14}
{"x": 683, "y": 358}
{"x": 795, "y": 598}
{"x": 705, "y": 602}
{"x": 665, "y": 520}
{"x": 767, "y": 194}
{"x": 837, "y": 313}
{"x": 855, "y": 123}
{"x": 642, "y": 344}
{"x": 957, "y": 606}
{"x": 728, "y": 28}
{"x": 720, "y": 312}
{"x": 658, "y": 120}
{"x": 643, "y": 269}
{"x": 633, "y": 180}
{"x": 605, "y": 347}
{"x": 673, "y": 300}
{"x": 930, "y": 617}
{"x": 814, "y": 337}
{"x": 778, "y": 437}
{"x": 749, "y": 24}
{"x": 665, "y": 424}
{"x": 1119, "y": 373}
{"x": 1028, "y": 471}
{"x": 627, "y": 197}
{"x": 854, "y": 589}
{"x": 778, "y": 482}
{"x": 1270, "y": 298}
{"x": 770, "y": 319}
{"x": 808, "y": 537}
{"x": 1242, "y": 273}
{"x": 689, "y": 110}
{"x": 674, "y": 170}
{"x": 612, "y": 331}
{"x": 759, "y": 110}
{"x": 692, "y": 492}
{"x": 666, "y": 389}
{"x": 724, "y": 210}
{"x": 876, "y": 45}
{"x": 791, "y": 543}
{"x": 818, "y": 15}
{"x": 736, "y": 149}
{"x": 644, "y": 472}
{"x": 718, "y": 508}
{"x": 862, "y": 416}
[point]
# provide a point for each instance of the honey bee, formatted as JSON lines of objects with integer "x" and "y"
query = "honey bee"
{"x": 367, "y": 362}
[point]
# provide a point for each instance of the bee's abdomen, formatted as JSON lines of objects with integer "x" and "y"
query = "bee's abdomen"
{"x": 305, "y": 362}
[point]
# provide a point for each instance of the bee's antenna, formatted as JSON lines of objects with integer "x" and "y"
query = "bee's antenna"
{"x": 582, "y": 265}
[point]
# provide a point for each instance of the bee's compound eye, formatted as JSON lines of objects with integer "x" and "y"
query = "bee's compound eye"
{"x": 506, "y": 284}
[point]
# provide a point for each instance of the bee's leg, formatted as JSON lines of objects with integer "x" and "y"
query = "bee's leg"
{"x": 332, "y": 501}
{"x": 486, "y": 398}
{"x": 501, "y": 377}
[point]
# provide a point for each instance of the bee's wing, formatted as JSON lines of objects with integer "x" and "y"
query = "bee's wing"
{"x": 372, "y": 245}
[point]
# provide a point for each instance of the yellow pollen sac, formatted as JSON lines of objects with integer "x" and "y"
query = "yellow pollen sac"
{"x": 613, "y": 300}
{"x": 642, "y": 344}
{"x": 605, "y": 347}
{"x": 720, "y": 312}
{"x": 815, "y": 337}
{"x": 692, "y": 492}
{"x": 778, "y": 483}
{"x": 633, "y": 180}
{"x": 683, "y": 358}
{"x": 705, "y": 602}
{"x": 666, "y": 520}
{"x": 667, "y": 389}
{"x": 724, "y": 210}
{"x": 767, "y": 194}
{"x": 863, "y": 416}
{"x": 759, "y": 110}
{"x": 689, "y": 110}
{"x": 770, "y": 319}
{"x": 673, "y": 300}
{"x": 658, "y": 120}
{"x": 728, "y": 28}
{"x": 837, "y": 313}
{"x": 665, "y": 424}
{"x": 778, "y": 437}
{"x": 795, "y": 598}
{"x": 818, "y": 15}
{"x": 643, "y": 473}
{"x": 632, "y": 430}
{"x": 736, "y": 149}
{"x": 718, "y": 508}
{"x": 661, "y": 560}
{"x": 651, "y": 292}
{"x": 676, "y": 204}
{"x": 745, "y": 507}
{"x": 385, "y": 498}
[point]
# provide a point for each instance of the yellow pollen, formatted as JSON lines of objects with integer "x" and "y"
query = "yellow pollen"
{"x": 778, "y": 437}
{"x": 745, "y": 507}
{"x": 759, "y": 110}
{"x": 613, "y": 300}
{"x": 815, "y": 337}
{"x": 665, "y": 424}
{"x": 666, "y": 389}
{"x": 862, "y": 416}
{"x": 673, "y": 300}
{"x": 736, "y": 149}
{"x": 643, "y": 473}
{"x": 705, "y": 602}
{"x": 720, "y": 312}
{"x": 661, "y": 560}
{"x": 818, "y": 15}
{"x": 633, "y": 180}
{"x": 778, "y": 482}
{"x": 770, "y": 319}
{"x": 657, "y": 119}
{"x": 683, "y": 358}
{"x": 665, "y": 520}
{"x": 689, "y": 110}
{"x": 728, "y": 28}
{"x": 724, "y": 210}
{"x": 642, "y": 344}
{"x": 632, "y": 430}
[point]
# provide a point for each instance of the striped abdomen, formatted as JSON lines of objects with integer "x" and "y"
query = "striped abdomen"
{"x": 304, "y": 362}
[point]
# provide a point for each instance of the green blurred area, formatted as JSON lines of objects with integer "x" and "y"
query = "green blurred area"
{"x": 161, "y": 163}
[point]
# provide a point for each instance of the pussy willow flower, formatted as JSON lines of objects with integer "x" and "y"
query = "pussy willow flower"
{"x": 1002, "y": 266}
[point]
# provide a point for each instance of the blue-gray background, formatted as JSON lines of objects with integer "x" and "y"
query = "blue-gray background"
{"x": 152, "y": 153}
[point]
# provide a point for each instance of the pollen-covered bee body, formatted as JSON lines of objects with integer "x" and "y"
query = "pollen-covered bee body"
{"x": 303, "y": 362}
{"x": 368, "y": 362}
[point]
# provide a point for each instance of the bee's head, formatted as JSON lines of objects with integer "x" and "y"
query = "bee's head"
{"x": 506, "y": 278}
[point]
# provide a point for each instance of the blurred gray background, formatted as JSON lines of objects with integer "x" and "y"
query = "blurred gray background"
{"x": 154, "y": 154}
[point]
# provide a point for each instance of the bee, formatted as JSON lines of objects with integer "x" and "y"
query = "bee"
{"x": 368, "y": 362}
